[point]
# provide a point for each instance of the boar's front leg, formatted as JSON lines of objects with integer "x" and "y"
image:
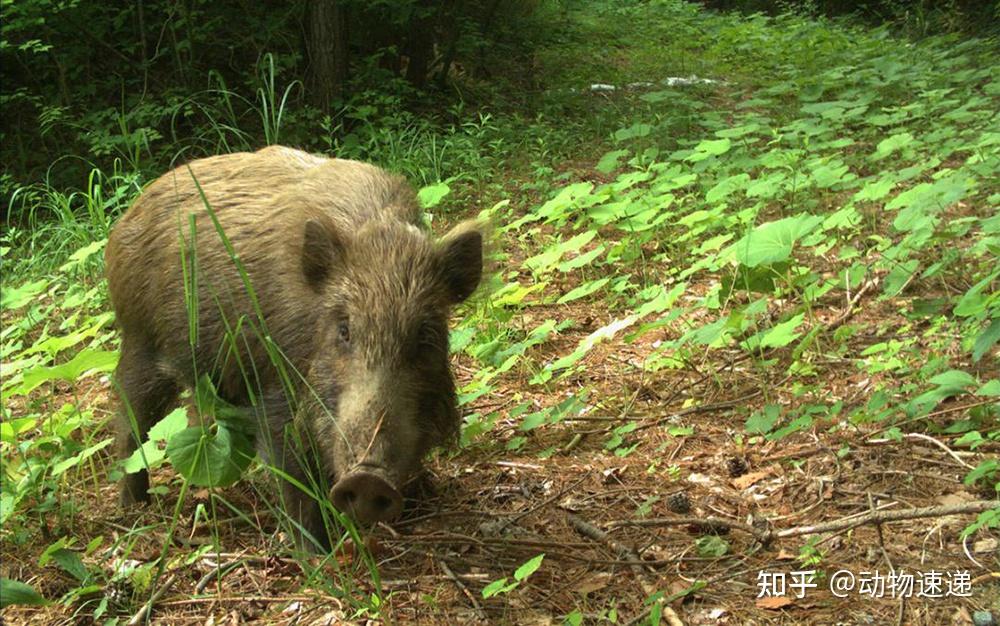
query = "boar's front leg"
{"x": 293, "y": 459}
{"x": 145, "y": 393}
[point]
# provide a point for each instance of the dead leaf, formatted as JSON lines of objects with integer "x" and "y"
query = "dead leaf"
{"x": 613, "y": 474}
{"x": 957, "y": 497}
{"x": 699, "y": 479}
{"x": 774, "y": 602}
{"x": 678, "y": 588}
{"x": 986, "y": 546}
{"x": 746, "y": 480}
{"x": 593, "y": 583}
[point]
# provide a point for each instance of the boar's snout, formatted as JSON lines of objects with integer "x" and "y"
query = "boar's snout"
{"x": 367, "y": 497}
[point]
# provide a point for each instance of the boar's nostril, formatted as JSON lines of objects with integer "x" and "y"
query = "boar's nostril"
{"x": 367, "y": 497}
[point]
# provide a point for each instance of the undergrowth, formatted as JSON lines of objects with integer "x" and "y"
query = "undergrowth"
{"x": 813, "y": 200}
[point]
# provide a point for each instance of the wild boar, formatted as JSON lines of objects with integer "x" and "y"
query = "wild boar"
{"x": 345, "y": 284}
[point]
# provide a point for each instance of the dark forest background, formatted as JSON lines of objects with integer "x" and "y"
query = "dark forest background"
{"x": 138, "y": 85}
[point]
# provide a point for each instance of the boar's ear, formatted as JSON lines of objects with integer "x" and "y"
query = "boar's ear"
{"x": 462, "y": 256}
{"x": 321, "y": 246}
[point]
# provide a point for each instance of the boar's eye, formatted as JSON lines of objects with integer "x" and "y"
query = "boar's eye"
{"x": 344, "y": 332}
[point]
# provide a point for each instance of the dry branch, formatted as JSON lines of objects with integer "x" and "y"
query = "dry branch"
{"x": 880, "y": 517}
{"x": 624, "y": 552}
{"x": 849, "y": 311}
{"x": 760, "y": 534}
{"x": 140, "y": 615}
{"x": 703, "y": 408}
{"x": 465, "y": 590}
{"x": 766, "y": 536}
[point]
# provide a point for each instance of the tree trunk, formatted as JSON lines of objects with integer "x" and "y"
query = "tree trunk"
{"x": 420, "y": 44}
{"x": 452, "y": 33}
{"x": 326, "y": 45}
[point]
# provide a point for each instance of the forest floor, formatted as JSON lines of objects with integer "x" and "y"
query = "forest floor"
{"x": 661, "y": 486}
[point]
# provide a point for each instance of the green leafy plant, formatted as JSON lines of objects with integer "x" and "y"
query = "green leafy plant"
{"x": 501, "y": 586}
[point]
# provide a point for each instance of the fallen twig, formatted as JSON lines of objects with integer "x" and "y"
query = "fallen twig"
{"x": 140, "y": 615}
{"x": 879, "y": 517}
{"x": 766, "y": 536}
{"x": 760, "y": 534}
{"x": 592, "y": 532}
{"x": 703, "y": 408}
{"x": 849, "y": 311}
{"x": 465, "y": 590}
{"x": 928, "y": 439}
{"x": 218, "y": 572}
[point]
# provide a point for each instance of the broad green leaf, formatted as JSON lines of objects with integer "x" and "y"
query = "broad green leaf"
{"x": 581, "y": 259}
{"x": 497, "y": 587}
{"x": 973, "y": 302}
{"x": 76, "y": 459}
{"x": 821, "y": 108}
{"x": 875, "y": 190}
{"x": 777, "y": 337}
{"x": 14, "y": 592}
{"x": 604, "y": 333}
{"x": 85, "y": 361}
{"x": 726, "y": 187}
{"x": 528, "y": 568}
{"x": 709, "y": 148}
{"x": 954, "y": 378}
{"x": 898, "y": 277}
{"x": 986, "y": 340}
{"x": 514, "y": 294}
{"x": 847, "y": 217}
{"x": 54, "y": 345}
{"x": 66, "y": 559}
{"x": 752, "y": 279}
{"x": 635, "y": 130}
{"x": 893, "y": 143}
{"x": 83, "y": 254}
{"x": 583, "y": 290}
{"x": 712, "y": 546}
{"x": 15, "y": 298}
{"x": 558, "y": 207}
{"x": 768, "y": 186}
{"x": 990, "y": 388}
{"x": 533, "y": 420}
{"x": 11, "y": 428}
{"x": 953, "y": 386}
{"x": 773, "y": 242}
{"x": 761, "y": 422}
{"x": 658, "y": 299}
{"x": 550, "y": 257}
{"x": 985, "y": 468}
{"x": 153, "y": 450}
{"x": 8, "y": 504}
{"x": 210, "y": 459}
{"x": 737, "y": 131}
{"x": 609, "y": 162}
{"x": 432, "y": 195}
{"x": 709, "y": 334}
{"x": 830, "y": 174}
{"x": 925, "y": 200}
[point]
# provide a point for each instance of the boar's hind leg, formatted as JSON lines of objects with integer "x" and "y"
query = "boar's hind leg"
{"x": 145, "y": 394}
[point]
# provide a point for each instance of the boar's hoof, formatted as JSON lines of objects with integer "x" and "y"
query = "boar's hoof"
{"x": 367, "y": 498}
